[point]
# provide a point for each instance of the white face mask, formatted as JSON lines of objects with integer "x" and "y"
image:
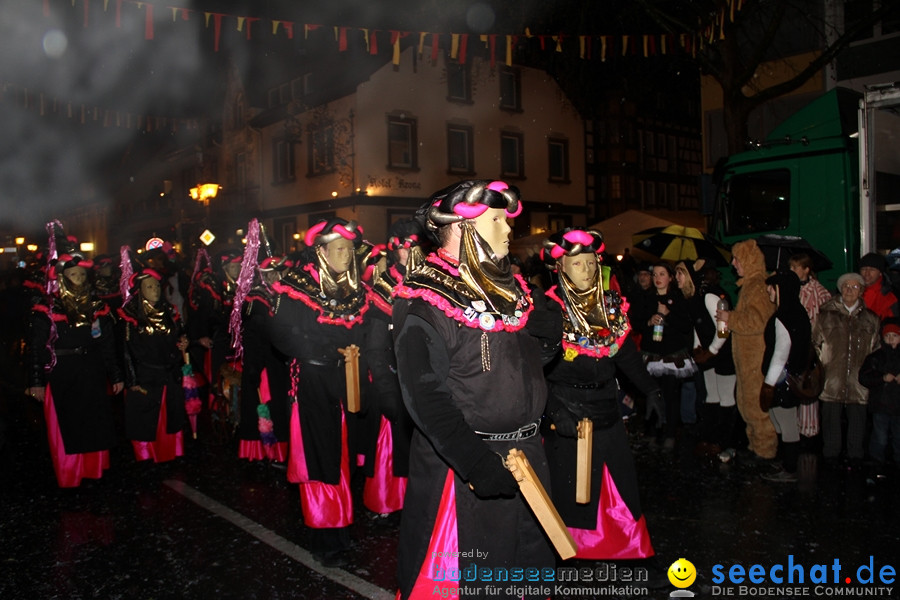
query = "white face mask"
{"x": 494, "y": 228}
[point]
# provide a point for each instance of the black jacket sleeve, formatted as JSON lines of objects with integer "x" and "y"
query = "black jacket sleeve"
{"x": 423, "y": 368}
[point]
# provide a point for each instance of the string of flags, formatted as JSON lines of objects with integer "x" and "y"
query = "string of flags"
{"x": 589, "y": 47}
{"x": 607, "y": 46}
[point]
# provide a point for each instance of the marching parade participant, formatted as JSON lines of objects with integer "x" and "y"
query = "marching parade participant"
{"x": 72, "y": 357}
{"x": 582, "y": 382}
{"x": 318, "y": 318}
{"x": 471, "y": 376}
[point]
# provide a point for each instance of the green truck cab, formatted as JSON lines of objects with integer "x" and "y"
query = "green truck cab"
{"x": 804, "y": 179}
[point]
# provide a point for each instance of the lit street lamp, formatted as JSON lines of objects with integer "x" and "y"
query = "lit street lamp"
{"x": 204, "y": 192}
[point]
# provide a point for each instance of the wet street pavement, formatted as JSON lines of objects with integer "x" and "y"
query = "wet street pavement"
{"x": 210, "y": 526}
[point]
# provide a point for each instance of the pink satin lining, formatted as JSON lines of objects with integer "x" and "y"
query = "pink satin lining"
{"x": 326, "y": 505}
{"x": 256, "y": 450}
{"x": 442, "y": 556}
{"x": 166, "y": 446}
{"x": 618, "y": 535}
{"x": 384, "y": 492}
{"x": 296, "y": 471}
{"x": 70, "y": 468}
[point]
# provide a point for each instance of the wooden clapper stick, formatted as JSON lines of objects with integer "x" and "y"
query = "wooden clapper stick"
{"x": 351, "y": 369}
{"x": 540, "y": 503}
{"x": 583, "y": 461}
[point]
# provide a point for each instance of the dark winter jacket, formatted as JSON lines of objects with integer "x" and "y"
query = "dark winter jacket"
{"x": 884, "y": 397}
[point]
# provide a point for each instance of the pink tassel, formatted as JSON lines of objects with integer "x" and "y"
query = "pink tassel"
{"x": 127, "y": 271}
{"x": 245, "y": 280}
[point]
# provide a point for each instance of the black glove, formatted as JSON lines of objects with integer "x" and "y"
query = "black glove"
{"x": 563, "y": 420}
{"x": 490, "y": 478}
{"x": 766, "y": 397}
{"x": 702, "y": 356}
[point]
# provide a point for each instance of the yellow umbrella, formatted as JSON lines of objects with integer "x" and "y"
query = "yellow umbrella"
{"x": 677, "y": 242}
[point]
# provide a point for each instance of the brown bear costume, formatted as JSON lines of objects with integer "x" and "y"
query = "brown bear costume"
{"x": 747, "y": 323}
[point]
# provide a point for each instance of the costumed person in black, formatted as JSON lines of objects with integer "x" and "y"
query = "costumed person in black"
{"x": 712, "y": 353}
{"x": 263, "y": 431}
{"x": 106, "y": 281}
{"x": 154, "y": 345}
{"x": 788, "y": 338}
{"x": 666, "y": 337}
{"x": 175, "y": 281}
{"x": 472, "y": 380}
{"x": 582, "y": 382}
{"x": 390, "y": 427}
{"x": 319, "y": 312}
{"x": 210, "y": 300}
{"x": 72, "y": 357}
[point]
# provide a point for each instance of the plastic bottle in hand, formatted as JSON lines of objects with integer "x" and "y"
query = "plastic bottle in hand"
{"x": 722, "y": 326}
{"x": 658, "y": 331}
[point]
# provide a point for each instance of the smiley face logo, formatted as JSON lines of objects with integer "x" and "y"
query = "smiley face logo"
{"x": 682, "y": 573}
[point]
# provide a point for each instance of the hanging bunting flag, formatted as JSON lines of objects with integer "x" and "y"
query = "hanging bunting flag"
{"x": 603, "y": 41}
{"x": 663, "y": 43}
{"x": 342, "y": 39}
{"x": 373, "y": 43}
{"x": 492, "y": 42}
{"x": 365, "y": 33}
{"x": 420, "y": 50}
{"x": 510, "y": 42}
{"x": 275, "y": 25}
{"x": 624, "y": 45}
{"x": 217, "y": 29}
{"x": 395, "y": 43}
{"x": 289, "y": 29}
{"x": 646, "y": 44}
{"x": 581, "y": 46}
{"x": 454, "y": 45}
{"x": 463, "y": 43}
{"x": 148, "y": 23}
{"x": 435, "y": 44}
{"x": 240, "y": 23}
{"x": 652, "y": 44}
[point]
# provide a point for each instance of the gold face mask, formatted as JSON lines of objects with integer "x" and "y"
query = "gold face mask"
{"x": 586, "y": 307}
{"x": 337, "y": 284}
{"x": 489, "y": 279}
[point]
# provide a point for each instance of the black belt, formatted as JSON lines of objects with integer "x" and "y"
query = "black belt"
{"x": 578, "y": 386}
{"x": 334, "y": 363}
{"x": 522, "y": 433}
{"x": 71, "y": 351}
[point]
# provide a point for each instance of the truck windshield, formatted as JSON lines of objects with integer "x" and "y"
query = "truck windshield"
{"x": 756, "y": 202}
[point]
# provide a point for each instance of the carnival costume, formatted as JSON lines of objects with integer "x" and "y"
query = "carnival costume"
{"x": 389, "y": 428}
{"x": 154, "y": 398}
{"x": 318, "y": 313}
{"x": 210, "y": 299}
{"x": 263, "y": 430}
{"x": 582, "y": 382}
{"x": 72, "y": 356}
{"x": 472, "y": 380}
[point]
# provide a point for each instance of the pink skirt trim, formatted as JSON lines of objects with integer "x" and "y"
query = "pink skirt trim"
{"x": 166, "y": 446}
{"x": 325, "y": 505}
{"x": 618, "y": 535}
{"x": 296, "y": 470}
{"x": 70, "y": 468}
{"x": 441, "y": 562}
{"x": 256, "y": 450}
{"x": 383, "y": 493}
